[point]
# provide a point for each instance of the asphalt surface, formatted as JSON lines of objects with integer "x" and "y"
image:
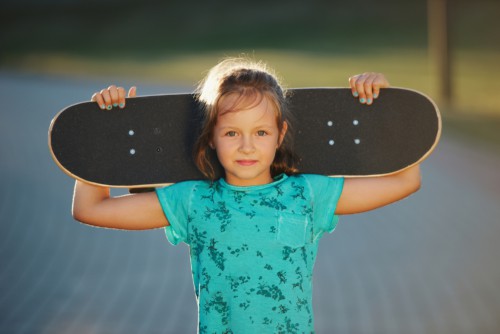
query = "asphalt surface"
{"x": 427, "y": 264}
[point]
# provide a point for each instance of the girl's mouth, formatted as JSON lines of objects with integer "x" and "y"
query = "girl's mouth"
{"x": 246, "y": 162}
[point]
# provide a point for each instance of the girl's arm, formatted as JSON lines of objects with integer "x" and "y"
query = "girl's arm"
{"x": 94, "y": 206}
{"x": 364, "y": 194}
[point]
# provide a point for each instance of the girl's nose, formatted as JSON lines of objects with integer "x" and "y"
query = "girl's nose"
{"x": 246, "y": 145}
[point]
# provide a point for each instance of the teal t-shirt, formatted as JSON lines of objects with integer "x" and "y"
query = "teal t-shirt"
{"x": 253, "y": 248}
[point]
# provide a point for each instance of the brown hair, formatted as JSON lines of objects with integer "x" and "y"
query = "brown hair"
{"x": 246, "y": 79}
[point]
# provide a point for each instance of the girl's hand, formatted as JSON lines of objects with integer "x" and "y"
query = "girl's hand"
{"x": 112, "y": 97}
{"x": 367, "y": 86}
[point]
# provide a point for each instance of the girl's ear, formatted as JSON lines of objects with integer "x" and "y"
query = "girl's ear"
{"x": 283, "y": 132}
{"x": 211, "y": 144}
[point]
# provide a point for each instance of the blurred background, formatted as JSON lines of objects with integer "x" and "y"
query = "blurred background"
{"x": 427, "y": 264}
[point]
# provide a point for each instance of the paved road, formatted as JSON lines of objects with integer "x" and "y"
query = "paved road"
{"x": 428, "y": 264}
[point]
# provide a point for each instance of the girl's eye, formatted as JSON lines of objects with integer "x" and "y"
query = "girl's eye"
{"x": 231, "y": 133}
{"x": 261, "y": 133}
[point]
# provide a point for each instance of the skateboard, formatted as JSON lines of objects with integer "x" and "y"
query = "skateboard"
{"x": 149, "y": 143}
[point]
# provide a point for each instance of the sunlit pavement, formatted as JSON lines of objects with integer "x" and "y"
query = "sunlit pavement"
{"x": 428, "y": 264}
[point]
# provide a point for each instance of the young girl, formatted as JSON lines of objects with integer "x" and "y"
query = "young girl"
{"x": 254, "y": 233}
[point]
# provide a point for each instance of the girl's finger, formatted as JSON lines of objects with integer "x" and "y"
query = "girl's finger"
{"x": 379, "y": 82}
{"x": 368, "y": 86}
{"x": 107, "y": 99}
{"x": 360, "y": 88}
{"x": 132, "y": 91}
{"x": 121, "y": 97}
{"x": 376, "y": 90}
{"x": 113, "y": 93}
{"x": 100, "y": 101}
{"x": 352, "y": 83}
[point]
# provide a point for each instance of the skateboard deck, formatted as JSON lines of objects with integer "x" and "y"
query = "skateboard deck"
{"x": 149, "y": 143}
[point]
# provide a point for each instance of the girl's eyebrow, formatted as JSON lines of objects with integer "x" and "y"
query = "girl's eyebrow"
{"x": 259, "y": 126}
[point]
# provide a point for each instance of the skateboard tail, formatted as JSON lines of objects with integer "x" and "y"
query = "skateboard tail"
{"x": 432, "y": 109}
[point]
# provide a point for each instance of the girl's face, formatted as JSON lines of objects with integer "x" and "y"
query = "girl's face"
{"x": 246, "y": 140}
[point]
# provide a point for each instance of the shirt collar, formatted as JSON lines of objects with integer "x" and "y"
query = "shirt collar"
{"x": 277, "y": 180}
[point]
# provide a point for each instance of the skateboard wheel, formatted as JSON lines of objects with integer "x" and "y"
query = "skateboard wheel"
{"x": 132, "y": 151}
{"x": 331, "y": 142}
{"x": 357, "y": 141}
{"x": 355, "y": 122}
{"x": 131, "y": 132}
{"x": 159, "y": 149}
{"x": 330, "y": 123}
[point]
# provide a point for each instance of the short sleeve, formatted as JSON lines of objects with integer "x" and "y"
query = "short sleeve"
{"x": 325, "y": 193}
{"x": 175, "y": 202}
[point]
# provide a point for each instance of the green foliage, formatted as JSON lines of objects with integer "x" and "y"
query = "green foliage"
{"x": 150, "y": 28}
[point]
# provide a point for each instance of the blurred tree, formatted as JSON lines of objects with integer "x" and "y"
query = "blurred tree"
{"x": 439, "y": 45}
